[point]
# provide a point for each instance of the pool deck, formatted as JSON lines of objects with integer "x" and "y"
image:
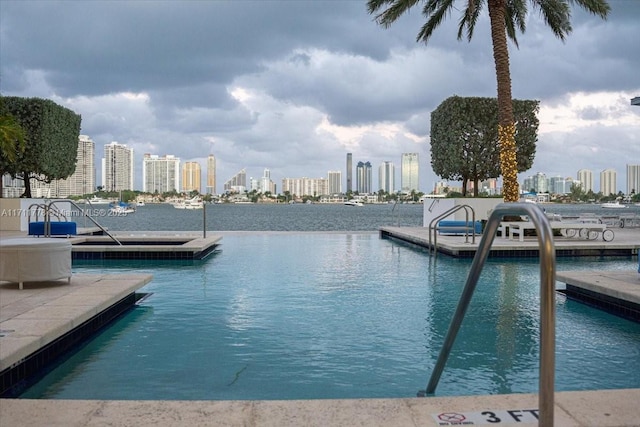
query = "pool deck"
{"x": 626, "y": 242}
{"x": 609, "y": 408}
{"x": 40, "y": 313}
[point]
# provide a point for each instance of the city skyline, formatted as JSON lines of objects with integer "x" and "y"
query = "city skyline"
{"x": 333, "y": 178}
{"x": 189, "y": 177}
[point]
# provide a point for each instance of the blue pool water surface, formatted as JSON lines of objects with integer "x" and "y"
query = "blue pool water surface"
{"x": 338, "y": 315}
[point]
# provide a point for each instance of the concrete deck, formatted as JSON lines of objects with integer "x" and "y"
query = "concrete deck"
{"x": 40, "y": 313}
{"x": 615, "y": 291}
{"x": 625, "y": 242}
{"x": 610, "y": 408}
{"x": 623, "y": 285}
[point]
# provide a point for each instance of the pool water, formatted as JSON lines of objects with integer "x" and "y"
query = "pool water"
{"x": 343, "y": 315}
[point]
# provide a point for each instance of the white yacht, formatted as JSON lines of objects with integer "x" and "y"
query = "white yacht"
{"x": 613, "y": 205}
{"x": 95, "y": 200}
{"x": 193, "y": 203}
{"x": 353, "y": 203}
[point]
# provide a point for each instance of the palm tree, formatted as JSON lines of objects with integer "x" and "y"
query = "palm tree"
{"x": 11, "y": 143}
{"x": 505, "y": 17}
{"x": 11, "y": 137}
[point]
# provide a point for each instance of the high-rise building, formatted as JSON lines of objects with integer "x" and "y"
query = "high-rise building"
{"x": 160, "y": 174}
{"x": 386, "y": 177}
{"x": 335, "y": 182}
{"x": 237, "y": 183}
{"x": 305, "y": 186}
{"x": 585, "y": 176}
{"x": 364, "y": 178}
{"x": 117, "y": 167}
{"x": 211, "y": 174}
{"x": 83, "y": 179}
{"x": 266, "y": 185}
{"x": 568, "y": 183}
{"x": 489, "y": 186}
{"x": 409, "y": 170}
{"x": 608, "y": 182}
{"x": 633, "y": 179}
{"x": 191, "y": 177}
{"x": 349, "y": 172}
{"x": 537, "y": 183}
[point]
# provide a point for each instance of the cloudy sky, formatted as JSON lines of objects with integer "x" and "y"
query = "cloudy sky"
{"x": 294, "y": 85}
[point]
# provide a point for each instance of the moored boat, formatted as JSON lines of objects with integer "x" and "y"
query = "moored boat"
{"x": 95, "y": 200}
{"x": 613, "y": 205}
{"x": 121, "y": 208}
{"x": 193, "y": 203}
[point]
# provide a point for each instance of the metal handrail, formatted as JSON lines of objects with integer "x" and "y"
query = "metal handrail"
{"x": 84, "y": 213}
{"x": 47, "y": 212}
{"x": 446, "y": 214}
{"x": 37, "y": 207}
{"x": 547, "y": 301}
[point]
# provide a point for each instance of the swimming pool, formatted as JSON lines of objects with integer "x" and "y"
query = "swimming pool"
{"x": 342, "y": 315}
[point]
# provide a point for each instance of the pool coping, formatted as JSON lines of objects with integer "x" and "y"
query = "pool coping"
{"x": 597, "y": 408}
{"x": 174, "y": 245}
{"x": 617, "y": 292}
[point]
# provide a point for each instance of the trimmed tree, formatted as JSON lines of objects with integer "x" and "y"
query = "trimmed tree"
{"x": 506, "y": 17}
{"x": 51, "y": 140}
{"x": 464, "y": 138}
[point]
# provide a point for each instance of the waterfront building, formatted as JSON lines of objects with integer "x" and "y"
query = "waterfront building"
{"x": 117, "y": 167}
{"x": 334, "y": 179}
{"x": 83, "y": 179}
{"x": 211, "y": 174}
{"x": 237, "y": 183}
{"x": 633, "y": 179}
{"x": 409, "y": 170}
{"x": 586, "y": 178}
{"x": 537, "y": 183}
{"x": 265, "y": 184}
{"x": 568, "y": 183}
{"x": 299, "y": 187}
{"x": 386, "y": 177}
{"x": 489, "y": 186}
{"x": 441, "y": 187}
{"x": 254, "y": 184}
{"x": 349, "y": 172}
{"x": 608, "y": 182}
{"x": 363, "y": 178}
{"x": 557, "y": 185}
{"x": 191, "y": 176}
{"x": 160, "y": 174}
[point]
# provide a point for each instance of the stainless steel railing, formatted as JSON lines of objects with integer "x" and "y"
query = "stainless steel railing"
{"x": 49, "y": 210}
{"x": 547, "y": 302}
{"x": 434, "y": 222}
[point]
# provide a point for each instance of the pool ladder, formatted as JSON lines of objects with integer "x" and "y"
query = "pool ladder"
{"x": 49, "y": 209}
{"x": 547, "y": 302}
{"x": 433, "y": 225}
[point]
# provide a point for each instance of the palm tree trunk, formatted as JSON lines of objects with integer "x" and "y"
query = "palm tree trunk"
{"x": 506, "y": 127}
